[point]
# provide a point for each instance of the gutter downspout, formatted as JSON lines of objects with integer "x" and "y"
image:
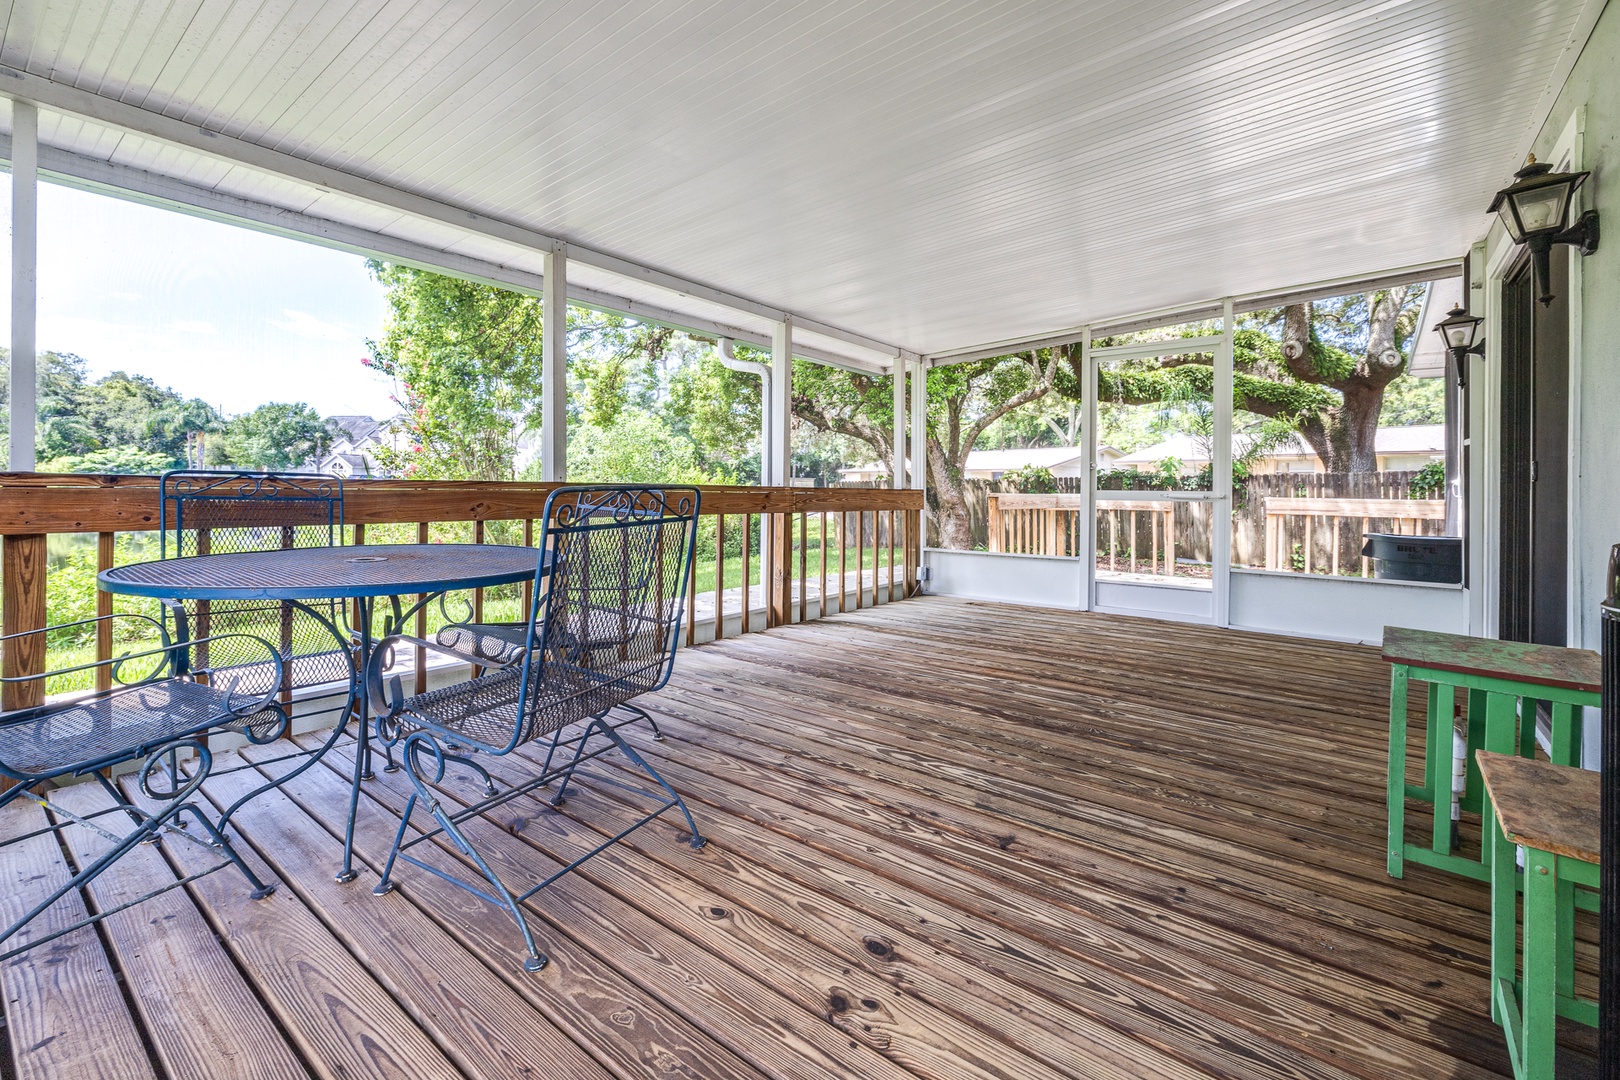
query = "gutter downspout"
{"x": 728, "y": 358}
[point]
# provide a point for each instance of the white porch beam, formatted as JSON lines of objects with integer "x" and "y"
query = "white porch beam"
{"x": 897, "y": 468}
{"x": 21, "y": 86}
{"x": 919, "y": 423}
{"x": 1221, "y": 508}
{"x": 24, "y": 264}
{"x": 154, "y": 189}
{"x": 777, "y": 466}
{"x": 554, "y": 368}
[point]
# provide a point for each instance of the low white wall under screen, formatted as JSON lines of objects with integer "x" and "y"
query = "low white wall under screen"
{"x": 1038, "y": 580}
{"x": 1341, "y": 608}
{"x": 1182, "y": 603}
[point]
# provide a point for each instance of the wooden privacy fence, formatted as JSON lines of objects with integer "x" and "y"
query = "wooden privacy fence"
{"x": 1286, "y": 518}
{"x": 868, "y": 539}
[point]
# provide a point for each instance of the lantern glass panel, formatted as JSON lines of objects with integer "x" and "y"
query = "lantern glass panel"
{"x": 1542, "y": 208}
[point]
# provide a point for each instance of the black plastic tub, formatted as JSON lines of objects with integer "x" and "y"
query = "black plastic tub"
{"x": 1415, "y": 558}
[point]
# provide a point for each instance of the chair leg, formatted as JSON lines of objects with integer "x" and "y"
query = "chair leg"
{"x": 697, "y": 840}
{"x": 416, "y": 746}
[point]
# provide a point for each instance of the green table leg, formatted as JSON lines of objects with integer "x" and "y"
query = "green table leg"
{"x": 1474, "y": 797}
{"x": 1498, "y": 852}
{"x": 1397, "y": 768}
{"x": 1538, "y": 1003}
{"x": 1437, "y": 770}
{"x": 1528, "y": 708}
{"x": 1566, "y": 742}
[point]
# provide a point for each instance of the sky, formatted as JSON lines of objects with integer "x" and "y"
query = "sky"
{"x": 235, "y": 317}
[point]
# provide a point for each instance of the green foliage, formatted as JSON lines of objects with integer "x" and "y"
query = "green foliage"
{"x": 637, "y": 448}
{"x": 719, "y": 410}
{"x": 1031, "y": 480}
{"x": 466, "y": 360}
{"x": 126, "y": 460}
{"x": 1410, "y": 400}
{"x": 1428, "y": 482}
{"x": 70, "y": 596}
{"x": 273, "y": 436}
{"x": 117, "y": 412}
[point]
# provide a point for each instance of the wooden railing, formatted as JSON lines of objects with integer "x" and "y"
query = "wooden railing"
{"x": 1402, "y": 516}
{"x": 1051, "y": 524}
{"x": 878, "y": 531}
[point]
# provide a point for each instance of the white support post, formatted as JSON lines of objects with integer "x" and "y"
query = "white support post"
{"x": 1088, "y": 500}
{"x": 24, "y": 261}
{"x": 777, "y": 467}
{"x": 919, "y": 425}
{"x": 554, "y": 368}
{"x": 897, "y": 468}
{"x": 1221, "y": 508}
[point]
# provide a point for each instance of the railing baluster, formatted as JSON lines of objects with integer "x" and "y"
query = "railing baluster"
{"x": 528, "y": 583}
{"x": 104, "y": 610}
{"x": 421, "y": 622}
{"x": 720, "y": 575}
{"x": 821, "y": 594}
{"x": 804, "y": 572}
{"x": 691, "y": 604}
{"x": 747, "y": 560}
{"x": 843, "y": 561}
{"x": 22, "y": 607}
{"x": 478, "y": 594}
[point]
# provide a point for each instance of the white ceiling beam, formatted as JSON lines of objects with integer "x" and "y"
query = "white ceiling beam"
{"x": 1205, "y": 310}
{"x": 167, "y": 193}
{"x": 46, "y": 93}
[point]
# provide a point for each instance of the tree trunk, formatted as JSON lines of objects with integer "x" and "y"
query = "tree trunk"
{"x": 951, "y": 516}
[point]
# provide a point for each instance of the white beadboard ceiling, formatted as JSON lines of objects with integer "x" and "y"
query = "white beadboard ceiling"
{"x": 932, "y": 174}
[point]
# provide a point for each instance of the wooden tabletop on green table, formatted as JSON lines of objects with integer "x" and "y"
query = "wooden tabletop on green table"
{"x": 1516, "y": 661}
{"x": 1550, "y": 807}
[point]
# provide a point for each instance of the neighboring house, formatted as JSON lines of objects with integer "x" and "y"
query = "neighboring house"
{"x": 1399, "y": 449}
{"x": 991, "y": 464}
{"x": 357, "y": 440}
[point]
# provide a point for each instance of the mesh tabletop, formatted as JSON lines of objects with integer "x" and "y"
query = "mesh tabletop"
{"x": 317, "y": 573}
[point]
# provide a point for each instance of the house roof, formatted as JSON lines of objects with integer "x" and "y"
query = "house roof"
{"x": 913, "y": 175}
{"x": 1412, "y": 439}
{"x": 357, "y": 427}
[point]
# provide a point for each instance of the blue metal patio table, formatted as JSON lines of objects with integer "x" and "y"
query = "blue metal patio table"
{"x": 362, "y": 574}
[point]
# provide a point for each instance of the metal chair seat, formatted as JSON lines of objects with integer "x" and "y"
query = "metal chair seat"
{"x": 159, "y": 721}
{"x": 496, "y": 644}
{"x": 130, "y": 723}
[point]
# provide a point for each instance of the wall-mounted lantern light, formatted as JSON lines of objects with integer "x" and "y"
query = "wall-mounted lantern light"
{"x": 1460, "y": 329}
{"x": 1533, "y": 209}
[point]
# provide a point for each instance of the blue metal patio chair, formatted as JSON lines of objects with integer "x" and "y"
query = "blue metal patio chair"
{"x": 603, "y": 632}
{"x": 159, "y": 712}
{"x": 215, "y": 513}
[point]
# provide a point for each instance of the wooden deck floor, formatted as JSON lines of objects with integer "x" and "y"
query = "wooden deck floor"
{"x": 947, "y": 839}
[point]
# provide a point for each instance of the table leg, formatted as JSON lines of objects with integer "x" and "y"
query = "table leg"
{"x": 1528, "y": 709}
{"x": 1501, "y": 737}
{"x": 1474, "y": 796}
{"x": 1396, "y": 794}
{"x": 1565, "y": 744}
{"x": 362, "y": 749}
{"x": 1498, "y": 852}
{"x": 1538, "y": 1000}
{"x": 1437, "y": 769}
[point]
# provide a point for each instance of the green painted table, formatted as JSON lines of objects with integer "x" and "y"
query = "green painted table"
{"x": 1552, "y": 811}
{"x": 1504, "y": 680}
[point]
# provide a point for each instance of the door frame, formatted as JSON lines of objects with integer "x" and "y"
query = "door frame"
{"x": 1219, "y": 497}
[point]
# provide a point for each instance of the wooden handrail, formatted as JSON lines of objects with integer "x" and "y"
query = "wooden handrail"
{"x": 34, "y": 505}
{"x": 1279, "y": 510}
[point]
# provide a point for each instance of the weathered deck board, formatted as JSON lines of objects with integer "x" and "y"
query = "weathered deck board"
{"x": 947, "y": 840}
